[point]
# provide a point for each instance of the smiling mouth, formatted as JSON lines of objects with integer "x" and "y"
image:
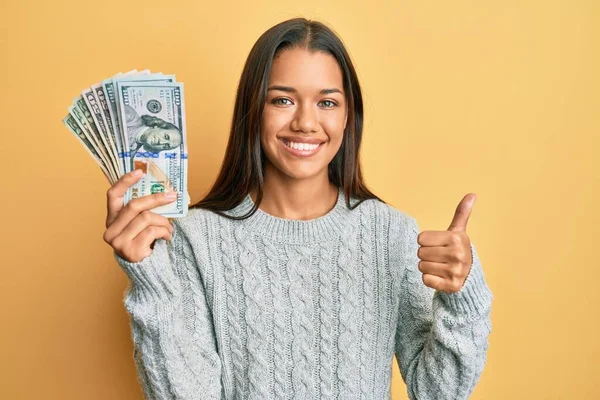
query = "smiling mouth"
{"x": 301, "y": 149}
{"x": 301, "y": 146}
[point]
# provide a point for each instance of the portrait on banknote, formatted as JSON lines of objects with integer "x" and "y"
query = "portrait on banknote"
{"x": 150, "y": 133}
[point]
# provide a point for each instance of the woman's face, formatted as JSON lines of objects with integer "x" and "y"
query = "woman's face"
{"x": 305, "y": 114}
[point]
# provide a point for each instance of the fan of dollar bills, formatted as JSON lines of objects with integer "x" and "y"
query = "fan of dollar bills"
{"x": 136, "y": 120}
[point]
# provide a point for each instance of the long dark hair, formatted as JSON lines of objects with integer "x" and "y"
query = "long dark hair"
{"x": 242, "y": 171}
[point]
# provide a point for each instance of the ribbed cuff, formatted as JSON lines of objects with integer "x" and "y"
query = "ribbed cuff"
{"x": 154, "y": 276}
{"x": 475, "y": 297}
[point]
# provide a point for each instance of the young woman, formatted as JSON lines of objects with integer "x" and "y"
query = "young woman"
{"x": 290, "y": 279}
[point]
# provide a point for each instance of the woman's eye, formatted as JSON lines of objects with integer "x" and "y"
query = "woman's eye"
{"x": 278, "y": 101}
{"x": 331, "y": 103}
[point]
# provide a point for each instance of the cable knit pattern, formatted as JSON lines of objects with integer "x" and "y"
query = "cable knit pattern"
{"x": 146, "y": 364}
{"x": 282, "y": 362}
{"x": 269, "y": 308}
{"x": 254, "y": 293}
{"x": 349, "y": 321}
{"x": 367, "y": 333}
{"x": 302, "y": 354}
{"x": 325, "y": 301}
{"x": 233, "y": 314}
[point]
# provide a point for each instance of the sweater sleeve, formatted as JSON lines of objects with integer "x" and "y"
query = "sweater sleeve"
{"x": 175, "y": 349}
{"x": 441, "y": 338}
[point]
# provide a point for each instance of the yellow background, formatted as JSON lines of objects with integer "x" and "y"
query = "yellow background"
{"x": 499, "y": 98}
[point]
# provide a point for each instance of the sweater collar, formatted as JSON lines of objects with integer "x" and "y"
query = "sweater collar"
{"x": 322, "y": 228}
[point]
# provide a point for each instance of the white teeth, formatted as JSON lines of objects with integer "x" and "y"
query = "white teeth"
{"x": 301, "y": 146}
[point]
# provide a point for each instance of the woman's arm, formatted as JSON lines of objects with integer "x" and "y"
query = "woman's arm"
{"x": 175, "y": 348}
{"x": 441, "y": 338}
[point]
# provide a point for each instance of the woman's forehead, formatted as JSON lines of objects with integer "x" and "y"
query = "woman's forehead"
{"x": 304, "y": 70}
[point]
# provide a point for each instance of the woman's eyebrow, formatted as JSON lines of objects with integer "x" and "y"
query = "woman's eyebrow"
{"x": 289, "y": 89}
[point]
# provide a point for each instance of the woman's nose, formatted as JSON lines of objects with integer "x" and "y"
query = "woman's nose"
{"x": 306, "y": 119}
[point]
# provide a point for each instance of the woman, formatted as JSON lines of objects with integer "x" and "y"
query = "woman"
{"x": 290, "y": 279}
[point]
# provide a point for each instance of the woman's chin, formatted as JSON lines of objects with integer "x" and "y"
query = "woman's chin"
{"x": 306, "y": 174}
{"x": 298, "y": 170}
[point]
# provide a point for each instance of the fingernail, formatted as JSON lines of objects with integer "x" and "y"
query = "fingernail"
{"x": 171, "y": 195}
{"x": 137, "y": 172}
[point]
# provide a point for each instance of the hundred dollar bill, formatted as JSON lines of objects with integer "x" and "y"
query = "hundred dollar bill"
{"x": 113, "y": 105}
{"x": 131, "y": 76}
{"x": 87, "y": 130}
{"x": 154, "y": 138}
{"x": 141, "y": 77}
{"x": 107, "y": 87}
{"x": 102, "y": 142}
{"x": 93, "y": 104}
{"x": 101, "y": 96}
{"x": 156, "y": 77}
{"x": 71, "y": 123}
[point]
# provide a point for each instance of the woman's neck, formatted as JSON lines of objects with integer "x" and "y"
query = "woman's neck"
{"x": 297, "y": 199}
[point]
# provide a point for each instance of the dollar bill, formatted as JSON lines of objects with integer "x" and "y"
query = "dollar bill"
{"x": 140, "y": 77}
{"x": 93, "y": 104}
{"x": 131, "y": 76}
{"x": 156, "y": 77}
{"x": 82, "y": 122}
{"x": 116, "y": 140}
{"x": 109, "y": 91}
{"x": 74, "y": 127}
{"x": 90, "y": 124}
{"x": 153, "y": 131}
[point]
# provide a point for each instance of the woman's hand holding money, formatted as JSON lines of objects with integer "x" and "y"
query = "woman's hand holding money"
{"x": 131, "y": 230}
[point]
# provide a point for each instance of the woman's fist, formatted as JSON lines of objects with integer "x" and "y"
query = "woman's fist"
{"x": 131, "y": 230}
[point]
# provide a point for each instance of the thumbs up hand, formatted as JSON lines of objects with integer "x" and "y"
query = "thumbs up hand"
{"x": 446, "y": 256}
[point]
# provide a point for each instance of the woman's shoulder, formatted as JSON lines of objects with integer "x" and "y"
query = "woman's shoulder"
{"x": 392, "y": 226}
{"x": 196, "y": 221}
{"x": 386, "y": 213}
{"x": 396, "y": 228}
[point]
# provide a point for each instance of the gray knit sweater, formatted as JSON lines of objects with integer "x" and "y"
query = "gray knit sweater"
{"x": 269, "y": 308}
